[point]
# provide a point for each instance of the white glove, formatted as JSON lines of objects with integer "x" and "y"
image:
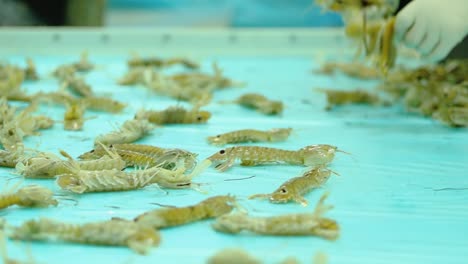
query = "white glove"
{"x": 432, "y": 27}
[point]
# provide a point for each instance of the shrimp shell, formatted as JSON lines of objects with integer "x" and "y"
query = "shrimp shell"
{"x": 131, "y": 131}
{"x": 312, "y": 155}
{"x": 174, "y": 115}
{"x": 250, "y": 135}
{"x": 109, "y": 233}
{"x": 302, "y": 224}
{"x": 295, "y": 188}
{"x": 168, "y": 217}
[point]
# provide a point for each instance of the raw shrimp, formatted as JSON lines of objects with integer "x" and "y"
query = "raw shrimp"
{"x": 339, "y": 97}
{"x": 49, "y": 166}
{"x": 11, "y": 137}
{"x": 260, "y": 103}
{"x": 455, "y": 116}
{"x": 99, "y": 103}
{"x": 168, "y": 217}
{"x": 159, "y": 62}
{"x": 250, "y": 135}
{"x": 174, "y": 115}
{"x": 28, "y": 196}
{"x": 83, "y": 65}
{"x": 9, "y": 158}
{"x": 73, "y": 118}
{"x": 302, "y": 224}
{"x": 387, "y": 50}
{"x": 30, "y": 72}
{"x": 80, "y": 181}
{"x": 356, "y": 70}
{"x": 131, "y": 131}
{"x": 312, "y": 155}
{"x": 146, "y": 156}
{"x": 134, "y": 76}
{"x": 78, "y": 86}
{"x": 110, "y": 233}
{"x": 232, "y": 256}
{"x": 295, "y": 188}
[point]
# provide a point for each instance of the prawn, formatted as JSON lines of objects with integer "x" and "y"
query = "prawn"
{"x": 356, "y": 70}
{"x": 73, "y": 118}
{"x": 174, "y": 115}
{"x": 295, "y": 188}
{"x": 110, "y": 233}
{"x": 9, "y": 158}
{"x": 78, "y": 86}
{"x": 28, "y": 196}
{"x": 167, "y": 217}
{"x": 80, "y": 181}
{"x": 145, "y": 156}
{"x": 49, "y": 166}
{"x": 339, "y": 97}
{"x": 250, "y": 135}
{"x": 30, "y": 72}
{"x": 260, "y": 103}
{"x": 312, "y": 155}
{"x": 99, "y": 103}
{"x": 232, "y": 256}
{"x": 302, "y": 224}
{"x": 130, "y": 131}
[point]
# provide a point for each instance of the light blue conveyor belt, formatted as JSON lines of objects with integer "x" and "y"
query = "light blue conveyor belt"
{"x": 399, "y": 197}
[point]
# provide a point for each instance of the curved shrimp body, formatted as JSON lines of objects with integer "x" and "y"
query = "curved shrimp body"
{"x": 253, "y": 155}
{"x": 174, "y": 115}
{"x": 293, "y": 189}
{"x": 261, "y": 104}
{"x": 29, "y": 196}
{"x": 303, "y": 224}
{"x": 110, "y": 233}
{"x": 250, "y": 135}
{"x": 167, "y": 217}
{"x": 131, "y": 131}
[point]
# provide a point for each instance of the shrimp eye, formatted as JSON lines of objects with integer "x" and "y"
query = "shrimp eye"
{"x": 283, "y": 191}
{"x": 222, "y": 151}
{"x": 199, "y": 118}
{"x": 218, "y": 136}
{"x": 10, "y": 132}
{"x": 92, "y": 151}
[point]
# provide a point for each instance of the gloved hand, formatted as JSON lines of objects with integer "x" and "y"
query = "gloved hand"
{"x": 432, "y": 27}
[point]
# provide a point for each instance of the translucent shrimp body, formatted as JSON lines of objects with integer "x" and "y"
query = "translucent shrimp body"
{"x": 250, "y": 135}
